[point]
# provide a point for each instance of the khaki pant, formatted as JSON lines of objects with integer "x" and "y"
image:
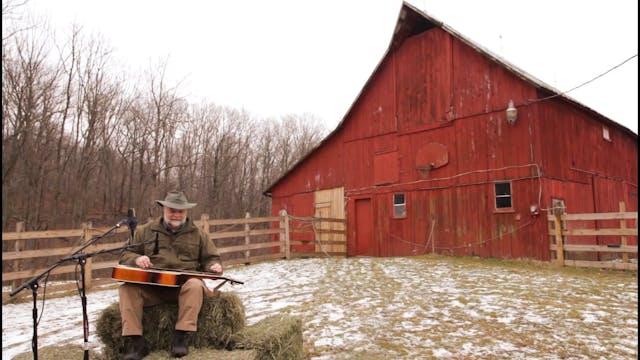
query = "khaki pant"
{"x": 134, "y": 297}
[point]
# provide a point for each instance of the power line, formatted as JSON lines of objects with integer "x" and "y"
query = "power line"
{"x": 584, "y": 83}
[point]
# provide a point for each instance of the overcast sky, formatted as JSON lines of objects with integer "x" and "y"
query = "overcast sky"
{"x": 275, "y": 57}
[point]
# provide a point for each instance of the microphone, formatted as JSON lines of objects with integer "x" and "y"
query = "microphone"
{"x": 132, "y": 221}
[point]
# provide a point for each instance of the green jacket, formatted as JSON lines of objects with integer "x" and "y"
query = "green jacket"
{"x": 188, "y": 249}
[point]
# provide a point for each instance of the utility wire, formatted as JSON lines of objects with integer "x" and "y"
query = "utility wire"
{"x": 584, "y": 83}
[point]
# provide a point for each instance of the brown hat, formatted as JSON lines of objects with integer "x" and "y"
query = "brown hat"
{"x": 176, "y": 200}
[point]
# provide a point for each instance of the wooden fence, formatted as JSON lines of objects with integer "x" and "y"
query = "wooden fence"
{"x": 239, "y": 241}
{"x": 610, "y": 253}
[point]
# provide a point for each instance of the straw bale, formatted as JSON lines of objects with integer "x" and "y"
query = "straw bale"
{"x": 76, "y": 352}
{"x": 220, "y": 318}
{"x": 275, "y": 337}
{"x": 206, "y": 354}
{"x": 66, "y": 351}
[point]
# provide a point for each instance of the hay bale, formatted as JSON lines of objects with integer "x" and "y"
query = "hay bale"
{"x": 206, "y": 354}
{"x": 66, "y": 351}
{"x": 220, "y": 318}
{"x": 109, "y": 330}
{"x": 275, "y": 337}
{"x": 76, "y": 352}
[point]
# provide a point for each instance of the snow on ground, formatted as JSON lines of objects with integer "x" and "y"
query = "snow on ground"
{"x": 402, "y": 308}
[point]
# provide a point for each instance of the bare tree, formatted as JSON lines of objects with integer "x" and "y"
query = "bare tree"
{"x": 86, "y": 147}
{"x": 28, "y": 92}
{"x": 12, "y": 19}
{"x": 97, "y": 94}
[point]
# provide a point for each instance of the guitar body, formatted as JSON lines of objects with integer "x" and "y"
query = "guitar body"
{"x": 161, "y": 277}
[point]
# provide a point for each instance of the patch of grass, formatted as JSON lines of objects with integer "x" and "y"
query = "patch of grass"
{"x": 392, "y": 346}
{"x": 529, "y": 264}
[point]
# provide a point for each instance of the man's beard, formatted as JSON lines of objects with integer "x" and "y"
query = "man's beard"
{"x": 175, "y": 223}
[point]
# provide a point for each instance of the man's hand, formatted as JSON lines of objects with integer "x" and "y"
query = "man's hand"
{"x": 215, "y": 268}
{"x": 143, "y": 261}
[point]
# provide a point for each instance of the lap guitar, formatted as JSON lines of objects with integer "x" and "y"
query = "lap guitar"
{"x": 164, "y": 277}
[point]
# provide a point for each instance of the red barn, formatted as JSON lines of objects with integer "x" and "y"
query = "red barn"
{"x": 450, "y": 149}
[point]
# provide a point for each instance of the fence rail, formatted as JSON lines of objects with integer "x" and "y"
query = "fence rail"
{"x": 562, "y": 228}
{"x": 261, "y": 239}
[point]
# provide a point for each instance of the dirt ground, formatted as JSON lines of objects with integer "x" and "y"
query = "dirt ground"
{"x": 427, "y": 307}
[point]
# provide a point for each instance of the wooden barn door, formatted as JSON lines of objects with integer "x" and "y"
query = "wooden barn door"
{"x": 365, "y": 246}
{"x": 330, "y": 204}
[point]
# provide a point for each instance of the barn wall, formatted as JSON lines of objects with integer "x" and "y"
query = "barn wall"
{"x": 423, "y": 81}
{"x": 374, "y": 112}
{"x": 451, "y": 208}
{"x": 323, "y": 169}
{"x": 576, "y": 152}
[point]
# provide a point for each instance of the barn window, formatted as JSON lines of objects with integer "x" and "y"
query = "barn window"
{"x": 503, "y": 195}
{"x": 605, "y": 133}
{"x": 399, "y": 206}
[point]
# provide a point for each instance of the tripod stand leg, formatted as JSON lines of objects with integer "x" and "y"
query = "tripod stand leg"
{"x": 34, "y": 340}
{"x": 85, "y": 318}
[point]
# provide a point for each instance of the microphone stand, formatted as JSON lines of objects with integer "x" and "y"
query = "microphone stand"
{"x": 81, "y": 257}
{"x": 82, "y": 260}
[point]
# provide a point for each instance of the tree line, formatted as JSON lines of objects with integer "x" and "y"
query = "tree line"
{"x": 84, "y": 141}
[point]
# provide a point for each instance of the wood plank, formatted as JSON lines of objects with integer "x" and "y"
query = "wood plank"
{"x": 105, "y": 265}
{"x": 323, "y": 242}
{"x": 27, "y": 254}
{"x": 48, "y": 234}
{"x": 243, "y": 233}
{"x": 64, "y": 269}
{"x": 243, "y": 247}
{"x": 329, "y": 231}
{"x": 603, "y": 216}
{"x": 241, "y": 221}
{"x": 597, "y": 248}
{"x": 592, "y": 232}
{"x": 559, "y": 241}
{"x": 598, "y": 216}
{"x": 319, "y": 219}
{"x": 623, "y": 239}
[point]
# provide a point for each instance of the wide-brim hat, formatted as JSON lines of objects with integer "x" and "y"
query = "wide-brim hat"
{"x": 176, "y": 200}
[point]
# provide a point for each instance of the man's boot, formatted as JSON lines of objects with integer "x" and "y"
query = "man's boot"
{"x": 179, "y": 347}
{"x": 137, "y": 348}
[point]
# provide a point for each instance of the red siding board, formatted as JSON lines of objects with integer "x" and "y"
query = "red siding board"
{"x": 423, "y": 66}
{"x": 374, "y": 113}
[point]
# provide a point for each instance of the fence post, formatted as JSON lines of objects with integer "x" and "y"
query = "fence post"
{"x": 284, "y": 223}
{"x": 19, "y": 246}
{"x": 86, "y": 229}
{"x": 559, "y": 246}
{"x": 247, "y": 238}
{"x": 204, "y": 223}
{"x": 623, "y": 239}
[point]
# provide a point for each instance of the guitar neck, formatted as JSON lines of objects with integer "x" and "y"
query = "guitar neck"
{"x": 198, "y": 275}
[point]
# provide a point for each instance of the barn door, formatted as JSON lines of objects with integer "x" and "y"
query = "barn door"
{"x": 330, "y": 204}
{"x": 364, "y": 246}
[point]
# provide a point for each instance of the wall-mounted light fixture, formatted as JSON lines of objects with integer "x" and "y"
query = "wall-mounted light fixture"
{"x": 534, "y": 209}
{"x": 512, "y": 113}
